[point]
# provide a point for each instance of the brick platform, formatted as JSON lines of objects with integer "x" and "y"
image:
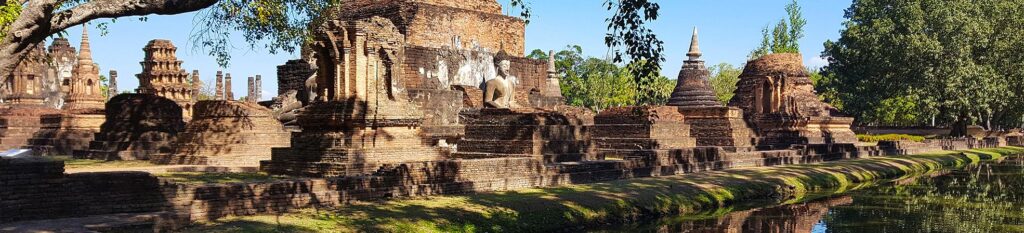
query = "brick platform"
{"x": 64, "y": 133}
{"x": 546, "y": 135}
{"x": 137, "y": 126}
{"x": 227, "y": 133}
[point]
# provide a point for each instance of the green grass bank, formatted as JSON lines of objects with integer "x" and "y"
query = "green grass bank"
{"x": 571, "y": 207}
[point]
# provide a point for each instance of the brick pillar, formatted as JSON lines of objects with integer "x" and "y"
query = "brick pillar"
{"x": 249, "y": 96}
{"x": 259, "y": 89}
{"x": 112, "y": 84}
{"x": 228, "y": 95}
{"x": 195, "y": 85}
{"x": 219, "y": 93}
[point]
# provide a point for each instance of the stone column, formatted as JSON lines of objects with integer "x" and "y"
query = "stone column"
{"x": 228, "y": 95}
{"x": 219, "y": 92}
{"x": 195, "y": 85}
{"x": 259, "y": 89}
{"x": 112, "y": 84}
{"x": 250, "y": 90}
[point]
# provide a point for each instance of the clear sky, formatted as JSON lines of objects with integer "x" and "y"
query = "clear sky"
{"x": 729, "y": 30}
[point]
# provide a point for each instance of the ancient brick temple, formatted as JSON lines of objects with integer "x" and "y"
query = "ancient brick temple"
{"x": 163, "y": 76}
{"x": 363, "y": 117}
{"x": 23, "y": 104}
{"x": 227, "y": 133}
{"x": 82, "y": 113}
{"x": 778, "y": 100}
{"x": 138, "y": 126}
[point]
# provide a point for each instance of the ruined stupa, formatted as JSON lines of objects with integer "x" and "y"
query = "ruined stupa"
{"x": 137, "y": 127}
{"x": 227, "y": 133}
{"x": 163, "y": 76}
{"x": 778, "y": 100}
{"x": 82, "y": 113}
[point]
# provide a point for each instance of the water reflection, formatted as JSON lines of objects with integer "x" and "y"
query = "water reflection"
{"x": 983, "y": 198}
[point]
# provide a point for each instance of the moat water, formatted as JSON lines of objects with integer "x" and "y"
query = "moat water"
{"x": 988, "y": 197}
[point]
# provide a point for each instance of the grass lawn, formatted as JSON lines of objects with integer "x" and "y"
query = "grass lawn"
{"x": 216, "y": 177}
{"x": 565, "y": 208}
{"x": 72, "y": 163}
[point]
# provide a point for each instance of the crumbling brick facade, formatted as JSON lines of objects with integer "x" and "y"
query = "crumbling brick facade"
{"x": 163, "y": 76}
{"x": 137, "y": 127}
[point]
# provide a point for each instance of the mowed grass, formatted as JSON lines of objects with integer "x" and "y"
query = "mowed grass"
{"x": 573, "y": 207}
{"x": 72, "y": 163}
{"x": 216, "y": 177}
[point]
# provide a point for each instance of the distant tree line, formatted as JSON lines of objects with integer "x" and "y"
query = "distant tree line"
{"x": 599, "y": 84}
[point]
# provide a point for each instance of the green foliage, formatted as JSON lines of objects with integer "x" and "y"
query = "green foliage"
{"x": 889, "y": 137}
{"x": 785, "y": 37}
{"x": 955, "y": 60}
{"x": 278, "y": 25}
{"x": 599, "y": 84}
{"x": 538, "y": 55}
{"x": 8, "y": 13}
{"x": 644, "y": 49}
{"x": 104, "y": 86}
{"x": 723, "y": 80}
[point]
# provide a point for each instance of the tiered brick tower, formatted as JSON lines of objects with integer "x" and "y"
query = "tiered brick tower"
{"x": 24, "y": 106}
{"x": 711, "y": 123}
{"x": 163, "y": 76}
{"x": 777, "y": 97}
{"x": 83, "y": 114}
{"x": 362, "y": 121}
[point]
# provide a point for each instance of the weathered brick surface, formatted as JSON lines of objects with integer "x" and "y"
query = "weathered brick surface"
{"x": 227, "y": 133}
{"x": 20, "y": 122}
{"x": 778, "y": 100}
{"x": 163, "y": 76}
{"x": 137, "y": 126}
{"x": 551, "y": 136}
{"x": 64, "y": 133}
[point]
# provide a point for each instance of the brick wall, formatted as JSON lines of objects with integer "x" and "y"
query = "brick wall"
{"x": 433, "y": 68}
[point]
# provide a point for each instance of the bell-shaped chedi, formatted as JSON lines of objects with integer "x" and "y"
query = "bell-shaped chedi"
{"x": 777, "y": 97}
{"x": 361, "y": 117}
{"x": 692, "y": 88}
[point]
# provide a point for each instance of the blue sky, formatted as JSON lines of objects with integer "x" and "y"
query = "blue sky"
{"x": 729, "y": 30}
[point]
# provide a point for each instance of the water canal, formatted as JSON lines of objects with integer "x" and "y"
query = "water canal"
{"x": 987, "y": 197}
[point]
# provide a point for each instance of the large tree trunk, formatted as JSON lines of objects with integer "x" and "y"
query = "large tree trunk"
{"x": 39, "y": 19}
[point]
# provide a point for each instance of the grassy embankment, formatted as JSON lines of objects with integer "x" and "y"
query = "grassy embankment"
{"x": 566, "y": 208}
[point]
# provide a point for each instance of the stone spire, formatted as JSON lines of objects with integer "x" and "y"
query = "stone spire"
{"x": 112, "y": 84}
{"x": 219, "y": 92}
{"x": 692, "y": 88}
{"x": 694, "y": 53}
{"x": 84, "y": 92}
{"x": 195, "y": 85}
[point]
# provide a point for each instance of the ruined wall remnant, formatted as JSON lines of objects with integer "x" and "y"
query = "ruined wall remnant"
{"x": 137, "y": 127}
{"x": 227, "y": 133}
{"x": 778, "y": 99}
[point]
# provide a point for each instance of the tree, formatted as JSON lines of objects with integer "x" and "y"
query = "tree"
{"x": 723, "y": 80}
{"x": 785, "y": 37}
{"x": 955, "y": 61}
{"x": 644, "y": 49}
{"x": 538, "y": 54}
{"x": 599, "y": 83}
{"x": 104, "y": 88}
